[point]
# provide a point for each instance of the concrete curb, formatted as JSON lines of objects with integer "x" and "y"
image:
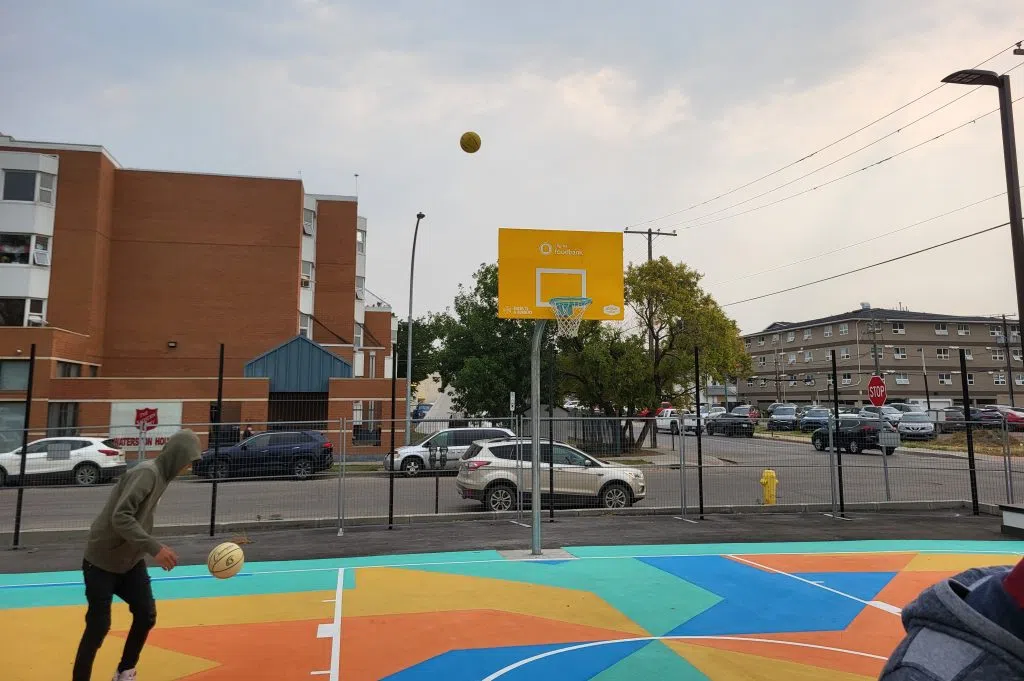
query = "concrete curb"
{"x": 40, "y": 536}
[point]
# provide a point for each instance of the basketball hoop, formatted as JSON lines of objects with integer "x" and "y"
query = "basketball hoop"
{"x": 569, "y": 313}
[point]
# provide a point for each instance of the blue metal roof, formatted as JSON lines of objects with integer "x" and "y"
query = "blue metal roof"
{"x": 298, "y": 366}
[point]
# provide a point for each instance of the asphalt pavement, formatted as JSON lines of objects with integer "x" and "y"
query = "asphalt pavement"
{"x": 729, "y": 474}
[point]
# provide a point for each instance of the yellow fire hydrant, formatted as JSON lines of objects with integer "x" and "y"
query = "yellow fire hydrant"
{"x": 770, "y": 484}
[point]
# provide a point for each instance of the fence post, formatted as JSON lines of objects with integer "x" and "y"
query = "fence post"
{"x": 394, "y": 420}
{"x": 24, "y": 446}
{"x": 836, "y": 450}
{"x": 215, "y": 431}
{"x": 682, "y": 474}
{"x": 341, "y": 476}
{"x": 1007, "y": 469}
{"x": 519, "y": 468}
{"x": 971, "y": 470}
{"x": 700, "y": 457}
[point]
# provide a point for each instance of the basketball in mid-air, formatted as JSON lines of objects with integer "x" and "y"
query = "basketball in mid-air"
{"x": 225, "y": 560}
{"x": 470, "y": 142}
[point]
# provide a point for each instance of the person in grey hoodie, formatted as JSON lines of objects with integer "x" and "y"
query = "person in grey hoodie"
{"x": 114, "y": 562}
{"x": 967, "y": 628}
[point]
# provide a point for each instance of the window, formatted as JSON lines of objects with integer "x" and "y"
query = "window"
{"x": 792, "y": 358}
{"x": 828, "y": 355}
{"x": 970, "y": 379}
{"x": 844, "y": 329}
{"x": 847, "y": 379}
{"x": 360, "y": 241}
{"x": 898, "y": 328}
{"x": 764, "y": 382}
{"x": 791, "y": 336}
{"x": 357, "y": 412}
{"x": 750, "y": 383}
{"x": 881, "y": 352}
{"x": 68, "y": 370}
{"x": 62, "y": 419}
{"x": 899, "y": 353}
{"x": 940, "y": 329}
{"x": 19, "y": 185}
{"x": 12, "y": 416}
{"x": 968, "y": 354}
{"x": 305, "y": 325}
{"x": 372, "y": 412}
{"x": 746, "y": 343}
{"x": 999, "y": 379}
{"x": 844, "y": 353}
{"x": 357, "y": 340}
{"x": 830, "y": 379}
{"x": 963, "y": 329}
{"x": 828, "y": 331}
{"x": 308, "y": 220}
{"x": 360, "y": 287}
{"x": 14, "y": 374}
{"x": 36, "y": 312}
{"x": 373, "y": 365}
{"x": 1014, "y": 330}
{"x": 994, "y": 330}
{"x": 946, "y": 379}
{"x": 808, "y": 356}
{"x": 760, "y": 340}
{"x": 998, "y": 355}
{"x": 1019, "y": 379}
{"x": 902, "y": 378}
{"x": 14, "y": 249}
{"x": 1016, "y": 355}
{"x": 807, "y": 334}
{"x": 761, "y": 361}
{"x": 12, "y": 311}
{"x": 809, "y": 379}
{"x": 941, "y": 353}
{"x": 41, "y": 251}
{"x": 307, "y": 274}
{"x": 46, "y": 185}
{"x": 775, "y": 338}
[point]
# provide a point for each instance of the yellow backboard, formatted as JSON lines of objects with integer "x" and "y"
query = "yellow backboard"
{"x": 536, "y": 265}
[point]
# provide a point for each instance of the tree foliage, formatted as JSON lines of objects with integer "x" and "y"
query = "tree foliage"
{"x": 426, "y": 333}
{"x": 605, "y": 367}
{"x": 484, "y": 358}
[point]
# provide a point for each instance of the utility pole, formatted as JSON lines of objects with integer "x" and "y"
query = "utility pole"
{"x": 1009, "y": 366}
{"x": 650, "y": 234}
{"x": 924, "y": 370}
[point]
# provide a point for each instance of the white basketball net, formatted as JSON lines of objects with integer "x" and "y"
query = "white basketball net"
{"x": 569, "y": 314}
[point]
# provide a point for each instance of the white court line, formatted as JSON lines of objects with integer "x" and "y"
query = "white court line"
{"x": 685, "y": 520}
{"x": 594, "y": 644}
{"x": 516, "y": 522}
{"x": 874, "y": 604}
{"x": 332, "y": 631}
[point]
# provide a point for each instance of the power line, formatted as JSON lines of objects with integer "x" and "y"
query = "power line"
{"x": 788, "y": 197}
{"x": 858, "y": 243}
{"x": 867, "y": 267}
{"x": 817, "y": 151}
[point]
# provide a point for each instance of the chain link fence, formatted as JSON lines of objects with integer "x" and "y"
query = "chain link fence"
{"x": 349, "y": 473}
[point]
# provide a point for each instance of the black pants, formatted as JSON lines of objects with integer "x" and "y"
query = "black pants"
{"x": 100, "y": 588}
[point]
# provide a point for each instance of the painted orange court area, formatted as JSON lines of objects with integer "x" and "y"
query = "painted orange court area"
{"x": 765, "y": 612}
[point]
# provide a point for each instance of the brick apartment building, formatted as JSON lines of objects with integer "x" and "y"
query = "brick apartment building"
{"x": 792, "y": 362}
{"x": 127, "y": 281}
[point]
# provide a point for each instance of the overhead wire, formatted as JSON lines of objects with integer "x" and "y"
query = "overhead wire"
{"x": 816, "y": 151}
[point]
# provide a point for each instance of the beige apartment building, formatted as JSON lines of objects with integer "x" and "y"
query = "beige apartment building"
{"x": 918, "y": 355}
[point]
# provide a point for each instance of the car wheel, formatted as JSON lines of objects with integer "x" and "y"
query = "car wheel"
{"x": 412, "y": 467}
{"x": 222, "y": 470}
{"x": 86, "y": 474}
{"x": 500, "y": 498}
{"x": 819, "y": 443}
{"x": 853, "y": 447}
{"x": 616, "y": 495}
{"x": 302, "y": 469}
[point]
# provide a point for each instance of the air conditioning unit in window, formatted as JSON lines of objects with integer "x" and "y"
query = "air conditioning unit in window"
{"x": 36, "y": 320}
{"x": 305, "y": 283}
{"x": 41, "y": 258}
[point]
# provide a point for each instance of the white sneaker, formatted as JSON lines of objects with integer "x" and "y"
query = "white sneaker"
{"x": 126, "y": 675}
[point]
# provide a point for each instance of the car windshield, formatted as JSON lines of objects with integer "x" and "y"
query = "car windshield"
{"x": 741, "y": 411}
{"x": 916, "y": 416}
{"x": 785, "y": 411}
{"x": 890, "y": 410}
{"x": 818, "y": 413}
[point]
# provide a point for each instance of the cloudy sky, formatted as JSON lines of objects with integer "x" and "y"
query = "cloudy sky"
{"x": 594, "y": 115}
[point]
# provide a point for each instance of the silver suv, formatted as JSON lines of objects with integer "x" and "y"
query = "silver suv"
{"x": 492, "y": 471}
{"x": 441, "y": 451}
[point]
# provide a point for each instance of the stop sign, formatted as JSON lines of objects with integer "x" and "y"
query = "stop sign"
{"x": 876, "y": 391}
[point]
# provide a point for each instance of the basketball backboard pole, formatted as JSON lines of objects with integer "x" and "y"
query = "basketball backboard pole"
{"x": 538, "y": 339}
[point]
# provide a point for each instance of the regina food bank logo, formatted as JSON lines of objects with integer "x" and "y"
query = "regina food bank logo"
{"x": 547, "y": 248}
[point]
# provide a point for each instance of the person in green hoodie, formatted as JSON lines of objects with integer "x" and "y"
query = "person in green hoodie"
{"x": 114, "y": 562}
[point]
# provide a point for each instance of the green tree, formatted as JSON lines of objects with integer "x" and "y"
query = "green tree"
{"x": 484, "y": 358}
{"x": 606, "y": 368}
{"x": 426, "y": 334}
{"x": 670, "y": 305}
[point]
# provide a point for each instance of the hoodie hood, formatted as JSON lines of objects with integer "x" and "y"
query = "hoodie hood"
{"x": 181, "y": 450}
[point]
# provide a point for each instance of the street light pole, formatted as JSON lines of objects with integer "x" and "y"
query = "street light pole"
{"x": 1002, "y": 83}
{"x": 408, "y": 336}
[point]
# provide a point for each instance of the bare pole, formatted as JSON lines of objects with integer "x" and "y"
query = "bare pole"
{"x": 408, "y": 336}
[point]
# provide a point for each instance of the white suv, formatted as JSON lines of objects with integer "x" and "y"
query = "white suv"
{"x": 441, "y": 451}
{"x": 491, "y": 472}
{"x": 86, "y": 460}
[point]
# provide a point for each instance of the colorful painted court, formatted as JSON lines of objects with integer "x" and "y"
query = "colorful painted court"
{"x": 769, "y": 612}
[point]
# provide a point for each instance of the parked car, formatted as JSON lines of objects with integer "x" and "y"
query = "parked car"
{"x": 917, "y": 425}
{"x": 1013, "y": 417}
{"x": 814, "y": 418}
{"x": 715, "y": 412}
{"x": 441, "y": 451}
{"x": 669, "y": 419}
{"x": 785, "y": 417}
{"x": 854, "y": 434}
{"x": 736, "y": 422}
{"x": 906, "y": 408}
{"x": 489, "y": 472}
{"x": 890, "y": 414}
{"x": 952, "y": 420}
{"x": 300, "y": 453}
{"x": 748, "y": 410}
{"x": 771, "y": 407}
{"x": 81, "y": 460}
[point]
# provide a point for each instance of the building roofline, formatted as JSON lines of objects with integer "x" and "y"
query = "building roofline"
{"x": 334, "y": 197}
{"x": 212, "y": 174}
{"x": 9, "y": 141}
{"x": 882, "y": 315}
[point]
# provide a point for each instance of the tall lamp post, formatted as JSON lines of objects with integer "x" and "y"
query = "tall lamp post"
{"x": 1002, "y": 83}
{"x": 408, "y": 336}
